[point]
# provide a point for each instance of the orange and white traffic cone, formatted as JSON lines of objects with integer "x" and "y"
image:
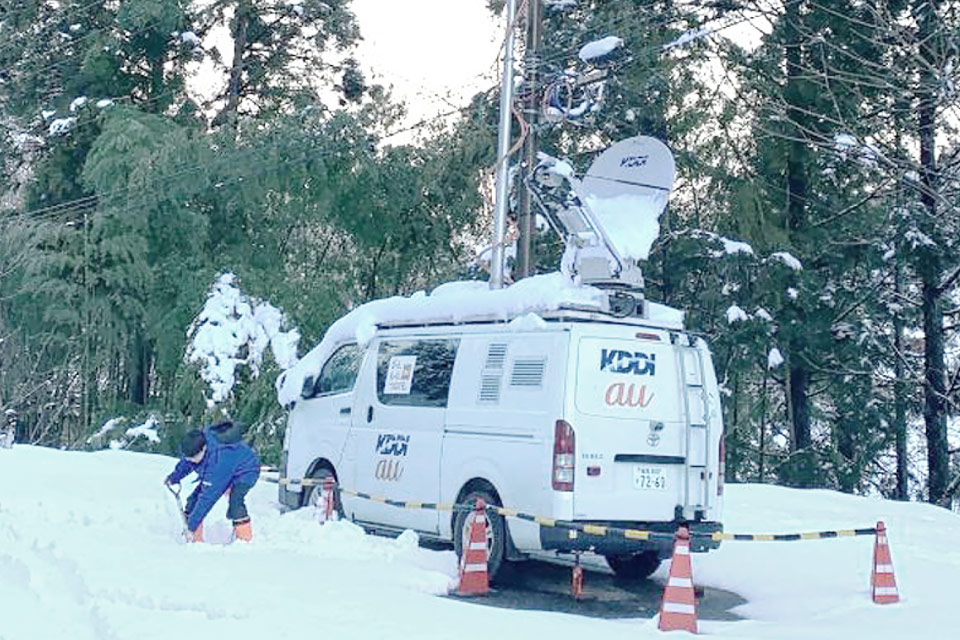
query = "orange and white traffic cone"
{"x": 474, "y": 580}
{"x": 325, "y": 510}
{"x": 882, "y": 580}
{"x": 678, "y": 609}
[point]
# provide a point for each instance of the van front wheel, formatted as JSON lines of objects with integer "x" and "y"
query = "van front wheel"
{"x": 314, "y": 495}
{"x": 634, "y": 567}
{"x": 496, "y": 532}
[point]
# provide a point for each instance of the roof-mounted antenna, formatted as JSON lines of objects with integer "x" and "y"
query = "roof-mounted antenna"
{"x": 610, "y": 218}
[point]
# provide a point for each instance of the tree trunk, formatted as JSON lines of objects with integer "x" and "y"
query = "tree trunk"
{"x": 800, "y": 416}
{"x": 930, "y": 268}
{"x": 138, "y": 369}
{"x": 241, "y": 21}
{"x": 797, "y": 188}
{"x": 899, "y": 401}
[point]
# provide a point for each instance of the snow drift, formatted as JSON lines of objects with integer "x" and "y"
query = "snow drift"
{"x": 89, "y": 550}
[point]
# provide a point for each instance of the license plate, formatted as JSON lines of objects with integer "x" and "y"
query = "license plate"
{"x": 649, "y": 478}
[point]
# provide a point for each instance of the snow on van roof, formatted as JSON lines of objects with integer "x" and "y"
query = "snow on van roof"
{"x": 449, "y": 302}
{"x": 455, "y": 302}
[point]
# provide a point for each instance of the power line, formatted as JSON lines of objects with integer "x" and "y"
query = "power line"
{"x": 57, "y": 211}
{"x": 7, "y": 13}
{"x": 702, "y": 29}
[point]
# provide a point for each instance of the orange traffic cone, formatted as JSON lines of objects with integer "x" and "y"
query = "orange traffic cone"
{"x": 474, "y": 580}
{"x": 882, "y": 580}
{"x": 678, "y": 609}
{"x": 325, "y": 511}
{"x": 576, "y": 579}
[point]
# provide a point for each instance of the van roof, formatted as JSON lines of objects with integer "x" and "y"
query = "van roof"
{"x": 559, "y": 315}
{"x": 545, "y": 297}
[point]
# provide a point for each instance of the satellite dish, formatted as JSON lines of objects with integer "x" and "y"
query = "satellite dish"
{"x": 636, "y": 165}
{"x": 627, "y": 188}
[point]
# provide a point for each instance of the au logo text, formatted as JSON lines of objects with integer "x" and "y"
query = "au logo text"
{"x": 388, "y": 469}
{"x": 621, "y": 394}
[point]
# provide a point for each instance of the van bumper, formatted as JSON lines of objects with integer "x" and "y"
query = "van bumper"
{"x": 563, "y": 539}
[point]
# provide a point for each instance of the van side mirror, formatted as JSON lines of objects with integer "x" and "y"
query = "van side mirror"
{"x": 307, "y": 390}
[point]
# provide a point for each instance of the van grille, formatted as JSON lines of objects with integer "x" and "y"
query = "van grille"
{"x": 528, "y": 372}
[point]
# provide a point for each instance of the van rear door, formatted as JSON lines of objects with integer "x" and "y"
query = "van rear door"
{"x": 640, "y": 425}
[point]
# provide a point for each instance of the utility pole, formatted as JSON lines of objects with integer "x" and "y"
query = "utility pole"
{"x": 503, "y": 149}
{"x": 85, "y": 315}
{"x": 525, "y": 220}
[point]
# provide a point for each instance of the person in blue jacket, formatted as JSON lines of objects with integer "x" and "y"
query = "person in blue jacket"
{"x": 223, "y": 463}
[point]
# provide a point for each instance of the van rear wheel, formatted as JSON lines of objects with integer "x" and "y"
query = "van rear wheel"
{"x": 636, "y": 566}
{"x": 496, "y": 532}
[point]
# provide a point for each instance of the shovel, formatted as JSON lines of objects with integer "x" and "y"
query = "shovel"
{"x": 187, "y": 536}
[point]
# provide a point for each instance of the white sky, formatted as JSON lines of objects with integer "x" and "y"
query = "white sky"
{"x": 435, "y": 53}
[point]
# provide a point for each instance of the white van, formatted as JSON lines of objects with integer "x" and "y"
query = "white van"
{"x": 578, "y": 415}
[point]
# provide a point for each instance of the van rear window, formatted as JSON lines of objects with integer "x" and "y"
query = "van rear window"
{"x": 415, "y": 373}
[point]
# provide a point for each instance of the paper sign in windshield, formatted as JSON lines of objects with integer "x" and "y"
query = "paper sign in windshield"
{"x": 400, "y": 375}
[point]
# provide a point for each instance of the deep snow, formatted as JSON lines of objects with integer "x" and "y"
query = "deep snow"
{"x": 89, "y": 549}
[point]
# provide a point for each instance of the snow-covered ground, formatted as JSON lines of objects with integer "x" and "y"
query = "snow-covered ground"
{"x": 89, "y": 549}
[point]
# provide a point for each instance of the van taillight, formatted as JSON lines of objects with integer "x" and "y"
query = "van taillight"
{"x": 564, "y": 454}
{"x": 722, "y": 472}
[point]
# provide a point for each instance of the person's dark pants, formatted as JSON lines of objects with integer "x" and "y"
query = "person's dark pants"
{"x": 236, "y": 509}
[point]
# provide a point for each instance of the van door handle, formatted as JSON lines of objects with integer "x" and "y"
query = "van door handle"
{"x": 345, "y": 411}
{"x": 370, "y": 414}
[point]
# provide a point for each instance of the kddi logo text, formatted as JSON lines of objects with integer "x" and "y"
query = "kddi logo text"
{"x": 388, "y": 469}
{"x": 632, "y": 162}
{"x": 389, "y": 444}
{"x": 637, "y": 363}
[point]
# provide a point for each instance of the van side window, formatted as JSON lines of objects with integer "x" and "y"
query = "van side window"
{"x": 339, "y": 371}
{"x": 415, "y": 373}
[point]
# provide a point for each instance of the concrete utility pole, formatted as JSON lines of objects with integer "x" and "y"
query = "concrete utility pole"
{"x": 503, "y": 147}
{"x": 526, "y": 261}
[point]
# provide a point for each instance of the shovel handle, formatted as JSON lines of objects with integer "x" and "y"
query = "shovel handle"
{"x": 183, "y": 516}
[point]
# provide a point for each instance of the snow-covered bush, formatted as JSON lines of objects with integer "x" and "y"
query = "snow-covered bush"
{"x": 234, "y": 331}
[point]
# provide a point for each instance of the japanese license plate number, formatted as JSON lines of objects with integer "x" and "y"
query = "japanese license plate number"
{"x": 649, "y": 478}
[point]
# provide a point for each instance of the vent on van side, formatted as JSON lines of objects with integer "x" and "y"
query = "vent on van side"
{"x": 528, "y": 372}
{"x": 490, "y": 388}
{"x": 492, "y": 373}
{"x": 496, "y": 355}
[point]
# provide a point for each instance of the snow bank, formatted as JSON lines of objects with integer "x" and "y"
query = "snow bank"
{"x": 450, "y": 302}
{"x": 92, "y": 553}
